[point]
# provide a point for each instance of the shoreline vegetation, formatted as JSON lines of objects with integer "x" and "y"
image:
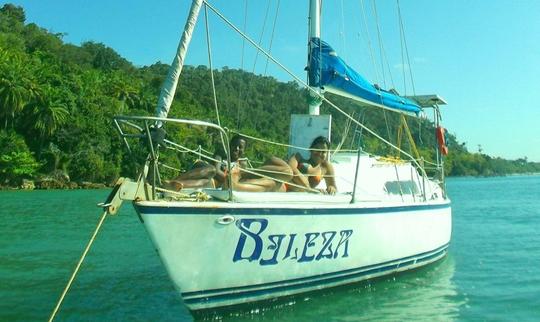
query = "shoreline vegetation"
{"x": 57, "y": 101}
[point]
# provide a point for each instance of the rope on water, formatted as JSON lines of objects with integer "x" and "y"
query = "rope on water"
{"x": 66, "y": 289}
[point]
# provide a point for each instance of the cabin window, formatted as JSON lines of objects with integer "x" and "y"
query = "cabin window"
{"x": 399, "y": 187}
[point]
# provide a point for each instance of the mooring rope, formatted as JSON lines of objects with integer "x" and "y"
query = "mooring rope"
{"x": 66, "y": 289}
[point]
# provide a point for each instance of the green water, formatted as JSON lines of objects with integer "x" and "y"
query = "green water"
{"x": 492, "y": 272}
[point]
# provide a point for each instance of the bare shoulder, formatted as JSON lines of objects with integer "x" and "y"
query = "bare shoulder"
{"x": 327, "y": 165}
{"x": 295, "y": 157}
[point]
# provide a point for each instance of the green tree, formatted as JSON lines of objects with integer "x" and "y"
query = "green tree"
{"x": 13, "y": 83}
{"x": 12, "y": 18}
{"x": 45, "y": 114}
{"x": 16, "y": 160}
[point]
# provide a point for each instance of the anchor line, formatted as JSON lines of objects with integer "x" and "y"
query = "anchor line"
{"x": 68, "y": 285}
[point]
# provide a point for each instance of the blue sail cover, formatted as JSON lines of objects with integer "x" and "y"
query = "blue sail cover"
{"x": 328, "y": 70}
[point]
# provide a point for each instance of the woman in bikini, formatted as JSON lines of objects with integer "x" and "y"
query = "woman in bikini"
{"x": 308, "y": 173}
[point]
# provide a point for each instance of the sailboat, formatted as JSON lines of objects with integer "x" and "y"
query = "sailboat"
{"x": 223, "y": 247}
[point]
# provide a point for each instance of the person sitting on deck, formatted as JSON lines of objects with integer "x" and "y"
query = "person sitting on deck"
{"x": 308, "y": 173}
{"x": 271, "y": 176}
{"x": 204, "y": 175}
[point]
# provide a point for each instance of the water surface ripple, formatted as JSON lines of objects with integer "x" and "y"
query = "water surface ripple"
{"x": 492, "y": 272}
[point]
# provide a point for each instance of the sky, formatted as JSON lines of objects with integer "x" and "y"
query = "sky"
{"x": 482, "y": 57}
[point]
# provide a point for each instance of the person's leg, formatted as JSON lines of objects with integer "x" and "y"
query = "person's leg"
{"x": 199, "y": 170}
{"x": 257, "y": 184}
{"x": 199, "y": 176}
{"x": 275, "y": 168}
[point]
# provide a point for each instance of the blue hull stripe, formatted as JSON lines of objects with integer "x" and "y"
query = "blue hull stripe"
{"x": 234, "y": 293}
{"x": 153, "y": 210}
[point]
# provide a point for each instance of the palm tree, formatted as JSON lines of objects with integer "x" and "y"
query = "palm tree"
{"x": 48, "y": 115}
{"x": 124, "y": 92}
{"x": 45, "y": 114}
{"x": 13, "y": 91}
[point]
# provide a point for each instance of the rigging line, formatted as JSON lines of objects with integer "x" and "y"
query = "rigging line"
{"x": 420, "y": 131}
{"x": 242, "y": 64}
{"x": 169, "y": 167}
{"x": 254, "y": 138}
{"x": 402, "y": 27}
{"x": 272, "y": 35}
{"x": 348, "y": 124}
{"x": 209, "y": 50}
{"x": 387, "y": 125}
{"x": 209, "y": 47}
{"x": 410, "y": 137}
{"x": 384, "y": 58}
{"x": 244, "y": 29}
{"x": 304, "y": 84}
{"x": 262, "y": 34}
{"x": 201, "y": 153}
{"x": 370, "y": 47}
{"x": 401, "y": 39}
{"x": 343, "y": 42}
{"x": 320, "y": 89}
{"x": 361, "y": 129}
{"x": 380, "y": 41}
{"x": 183, "y": 149}
{"x": 360, "y": 114}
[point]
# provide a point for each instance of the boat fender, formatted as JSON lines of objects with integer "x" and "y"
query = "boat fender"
{"x": 440, "y": 134}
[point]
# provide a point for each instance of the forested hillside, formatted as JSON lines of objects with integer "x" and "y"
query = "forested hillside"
{"x": 57, "y": 101}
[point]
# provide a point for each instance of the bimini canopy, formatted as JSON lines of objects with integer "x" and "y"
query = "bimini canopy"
{"x": 330, "y": 72}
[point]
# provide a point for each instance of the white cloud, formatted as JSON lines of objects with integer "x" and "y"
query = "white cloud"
{"x": 402, "y": 67}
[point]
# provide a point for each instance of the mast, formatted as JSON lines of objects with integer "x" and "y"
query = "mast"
{"x": 314, "y": 22}
{"x": 169, "y": 86}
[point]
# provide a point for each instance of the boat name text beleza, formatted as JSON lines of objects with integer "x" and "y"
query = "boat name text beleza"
{"x": 315, "y": 246}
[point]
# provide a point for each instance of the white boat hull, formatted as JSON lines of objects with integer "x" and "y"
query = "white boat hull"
{"x": 220, "y": 254}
